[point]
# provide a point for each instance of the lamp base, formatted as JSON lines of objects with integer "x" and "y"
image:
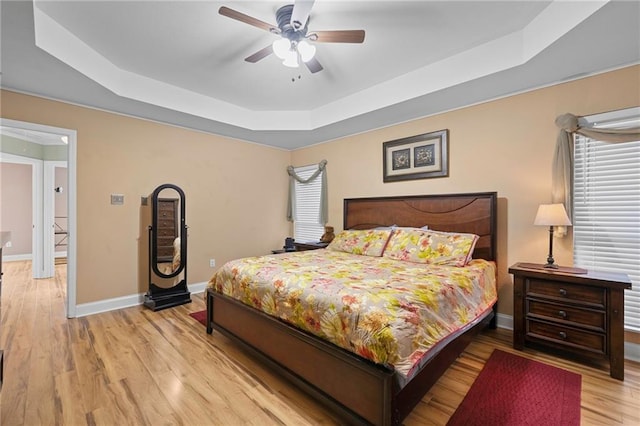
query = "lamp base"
{"x": 551, "y": 266}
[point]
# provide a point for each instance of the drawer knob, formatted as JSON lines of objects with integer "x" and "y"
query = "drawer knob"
{"x": 563, "y": 292}
{"x": 563, "y": 335}
{"x": 562, "y": 314}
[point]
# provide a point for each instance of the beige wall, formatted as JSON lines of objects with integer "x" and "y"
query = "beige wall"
{"x": 231, "y": 212}
{"x": 15, "y": 206}
{"x": 504, "y": 145}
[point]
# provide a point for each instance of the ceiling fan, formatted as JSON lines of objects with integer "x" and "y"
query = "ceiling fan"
{"x": 293, "y": 44}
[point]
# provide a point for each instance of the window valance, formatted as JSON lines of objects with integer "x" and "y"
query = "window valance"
{"x": 562, "y": 167}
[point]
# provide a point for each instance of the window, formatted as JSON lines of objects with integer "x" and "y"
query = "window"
{"x": 306, "y": 223}
{"x": 606, "y": 208}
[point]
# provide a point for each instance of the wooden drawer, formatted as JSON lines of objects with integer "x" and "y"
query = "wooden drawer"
{"x": 166, "y": 214}
{"x": 570, "y": 310}
{"x": 166, "y": 234}
{"x": 167, "y": 203}
{"x": 583, "y": 342}
{"x": 165, "y": 253}
{"x": 593, "y": 319}
{"x": 167, "y": 223}
{"x": 166, "y": 242}
{"x": 578, "y": 294}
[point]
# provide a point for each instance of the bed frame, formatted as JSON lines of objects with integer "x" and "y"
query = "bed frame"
{"x": 356, "y": 389}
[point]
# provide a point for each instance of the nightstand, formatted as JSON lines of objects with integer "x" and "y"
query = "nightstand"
{"x": 309, "y": 246}
{"x": 579, "y": 314}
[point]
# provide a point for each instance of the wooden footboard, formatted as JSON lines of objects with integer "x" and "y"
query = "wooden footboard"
{"x": 359, "y": 391}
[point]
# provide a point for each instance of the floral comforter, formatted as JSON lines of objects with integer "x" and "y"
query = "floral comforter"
{"x": 388, "y": 311}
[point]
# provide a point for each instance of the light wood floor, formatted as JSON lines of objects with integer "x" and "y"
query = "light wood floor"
{"x": 139, "y": 367}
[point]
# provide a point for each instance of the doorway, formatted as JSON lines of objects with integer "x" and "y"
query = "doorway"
{"x": 44, "y": 225}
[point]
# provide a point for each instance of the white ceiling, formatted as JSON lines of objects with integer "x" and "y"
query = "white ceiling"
{"x": 181, "y": 62}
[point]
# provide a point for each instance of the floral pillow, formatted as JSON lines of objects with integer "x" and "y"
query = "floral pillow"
{"x": 370, "y": 242}
{"x": 428, "y": 246}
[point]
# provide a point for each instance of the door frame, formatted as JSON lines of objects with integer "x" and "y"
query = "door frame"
{"x": 71, "y": 202}
{"x": 49, "y": 214}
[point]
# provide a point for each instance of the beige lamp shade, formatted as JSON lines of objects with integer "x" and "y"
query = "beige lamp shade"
{"x": 552, "y": 215}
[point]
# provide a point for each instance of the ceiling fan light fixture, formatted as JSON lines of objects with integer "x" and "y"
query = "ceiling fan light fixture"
{"x": 281, "y": 47}
{"x": 306, "y": 50}
{"x": 292, "y": 26}
{"x": 291, "y": 60}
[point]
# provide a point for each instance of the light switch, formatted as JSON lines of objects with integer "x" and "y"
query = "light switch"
{"x": 117, "y": 199}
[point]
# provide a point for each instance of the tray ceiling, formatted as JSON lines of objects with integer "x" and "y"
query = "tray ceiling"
{"x": 182, "y": 63}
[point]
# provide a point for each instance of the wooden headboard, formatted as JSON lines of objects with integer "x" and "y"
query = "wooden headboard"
{"x": 474, "y": 213}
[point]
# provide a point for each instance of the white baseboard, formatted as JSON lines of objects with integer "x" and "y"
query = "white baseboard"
{"x": 631, "y": 350}
{"x": 504, "y": 321}
{"x": 124, "y": 302}
{"x": 29, "y": 256}
{"x": 16, "y": 257}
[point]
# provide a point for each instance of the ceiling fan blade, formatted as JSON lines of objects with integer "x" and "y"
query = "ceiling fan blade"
{"x": 260, "y": 54}
{"x": 313, "y": 65}
{"x": 300, "y": 13}
{"x": 239, "y": 16}
{"x": 339, "y": 36}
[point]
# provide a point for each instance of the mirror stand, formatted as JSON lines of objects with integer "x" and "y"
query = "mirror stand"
{"x": 167, "y": 248}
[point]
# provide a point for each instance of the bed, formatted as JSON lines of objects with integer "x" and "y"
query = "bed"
{"x": 360, "y": 387}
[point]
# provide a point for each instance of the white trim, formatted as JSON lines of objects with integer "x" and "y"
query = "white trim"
{"x": 125, "y": 301}
{"x": 504, "y": 321}
{"x": 48, "y": 219}
{"x": 506, "y": 52}
{"x": 16, "y": 257}
{"x": 71, "y": 223}
{"x": 71, "y": 201}
{"x": 632, "y": 351}
{"x": 37, "y": 243}
{"x": 47, "y": 224}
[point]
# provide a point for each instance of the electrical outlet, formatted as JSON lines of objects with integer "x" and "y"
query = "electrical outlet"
{"x": 212, "y": 263}
{"x": 8, "y": 245}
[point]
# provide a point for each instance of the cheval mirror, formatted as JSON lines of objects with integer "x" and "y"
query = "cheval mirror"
{"x": 167, "y": 249}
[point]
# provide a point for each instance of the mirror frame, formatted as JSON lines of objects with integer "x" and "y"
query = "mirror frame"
{"x": 182, "y": 231}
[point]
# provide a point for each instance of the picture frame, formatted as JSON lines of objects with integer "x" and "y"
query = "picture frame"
{"x": 417, "y": 157}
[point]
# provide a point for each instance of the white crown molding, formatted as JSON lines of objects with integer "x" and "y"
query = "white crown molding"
{"x": 498, "y": 55}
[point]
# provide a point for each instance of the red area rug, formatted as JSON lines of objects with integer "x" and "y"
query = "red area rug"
{"x": 514, "y": 391}
{"x": 200, "y": 316}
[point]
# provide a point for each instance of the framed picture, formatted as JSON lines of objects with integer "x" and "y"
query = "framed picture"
{"x": 416, "y": 157}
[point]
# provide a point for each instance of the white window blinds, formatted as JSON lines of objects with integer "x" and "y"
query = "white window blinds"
{"x": 606, "y": 210}
{"x": 306, "y": 223}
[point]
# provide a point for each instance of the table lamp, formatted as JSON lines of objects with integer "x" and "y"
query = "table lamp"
{"x": 551, "y": 215}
